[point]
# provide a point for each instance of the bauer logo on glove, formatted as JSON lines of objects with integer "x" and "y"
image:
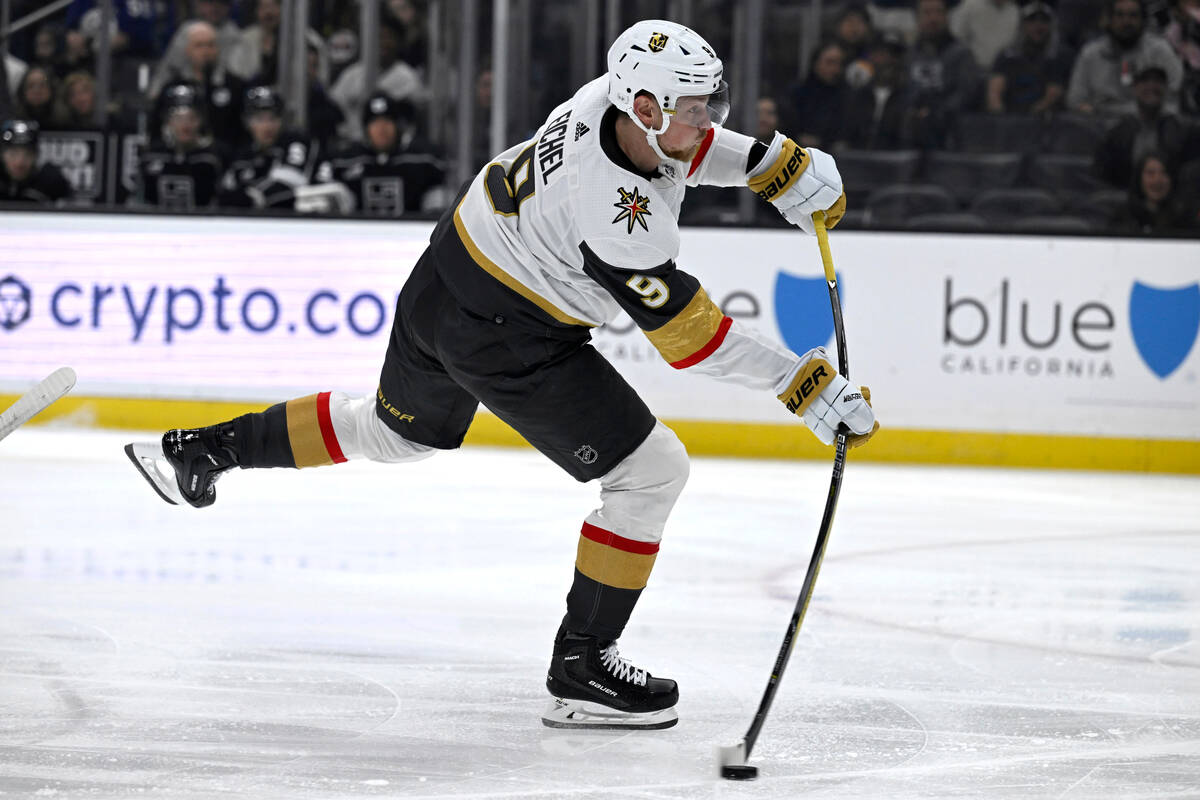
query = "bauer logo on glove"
{"x": 825, "y": 403}
{"x": 799, "y": 182}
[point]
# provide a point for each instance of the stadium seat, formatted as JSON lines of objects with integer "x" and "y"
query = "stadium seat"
{"x": 966, "y": 174}
{"x": 1056, "y": 172}
{"x": 1003, "y": 205}
{"x": 1100, "y": 206}
{"x": 998, "y": 133}
{"x": 863, "y": 171}
{"x": 954, "y": 221}
{"x": 1055, "y": 224}
{"x": 1074, "y": 134}
{"x": 893, "y": 206}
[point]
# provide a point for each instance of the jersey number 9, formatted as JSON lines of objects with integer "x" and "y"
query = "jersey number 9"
{"x": 654, "y": 291}
{"x": 505, "y": 194}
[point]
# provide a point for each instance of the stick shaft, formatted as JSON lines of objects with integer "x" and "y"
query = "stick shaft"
{"x": 831, "y": 500}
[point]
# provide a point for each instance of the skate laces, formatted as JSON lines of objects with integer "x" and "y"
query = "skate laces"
{"x": 621, "y": 667}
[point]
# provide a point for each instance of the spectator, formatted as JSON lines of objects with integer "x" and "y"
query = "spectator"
{"x": 876, "y": 112}
{"x": 181, "y": 170}
{"x": 220, "y": 92}
{"x": 324, "y": 115}
{"x": 1030, "y": 77}
{"x": 819, "y": 103}
{"x": 409, "y": 22}
{"x": 396, "y": 78}
{"x": 35, "y": 97}
{"x": 1153, "y": 204}
{"x": 49, "y": 50}
{"x": 852, "y": 31}
{"x": 1150, "y": 130}
{"x": 215, "y": 13}
{"x": 1183, "y": 34}
{"x": 267, "y": 172}
{"x": 77, "y": 103}
{"x": 1102, "y": 79}
{"x": 395, "y": 171}
{"x": 942, "y": 78}
{"x": 22, "y": 180}
{"x": 986, "y": 27}
{"x": 894, "y": 16}
{"x": 141, "y": 28}
{"x": 255, "y": 56}
{"x": 768, "y": 119}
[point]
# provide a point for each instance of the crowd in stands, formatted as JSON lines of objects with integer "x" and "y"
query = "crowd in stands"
{"x": 971, "y": 114}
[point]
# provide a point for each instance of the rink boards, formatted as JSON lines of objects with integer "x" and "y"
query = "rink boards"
{"x": 1003, "y": 350}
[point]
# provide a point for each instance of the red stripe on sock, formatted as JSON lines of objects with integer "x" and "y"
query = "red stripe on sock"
{"x": 699, "y": 157}
{"x": 327, "y": 434}
{"x": 708, "y": 349}
{"x": 601, "y": 536}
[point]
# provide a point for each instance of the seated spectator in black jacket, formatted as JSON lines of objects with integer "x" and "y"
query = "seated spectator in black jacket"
{"x": 1154, "y": 204}
{"x": 220, "y": 92}
{"x": 22, "y": 179}
{"x": 267, "y": 172}
{"x": 875, "y": 113}
{"x": 395, "y": 171}
{"x": 819, "y": 103}
{"x": 852, "y": 31}
{"x": 1031, "y": 75}
{"x": 182, "y": 170}
{"x": 35, "y": 97}
{"x": 942, "y": 76}
{"x": 1151, "y": 130}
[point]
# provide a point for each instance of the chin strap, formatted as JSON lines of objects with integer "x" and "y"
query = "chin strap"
{"x": 652, "y": 135}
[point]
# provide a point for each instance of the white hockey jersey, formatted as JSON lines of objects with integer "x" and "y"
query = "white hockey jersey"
{"x": 569, "y": 223}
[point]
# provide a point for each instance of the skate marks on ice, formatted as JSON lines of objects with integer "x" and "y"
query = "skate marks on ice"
{"x": 340, "y": 634}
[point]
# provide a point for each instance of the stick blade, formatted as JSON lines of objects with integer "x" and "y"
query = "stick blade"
{"x": 37, "y": 399}
{"x": 733, "y": 766}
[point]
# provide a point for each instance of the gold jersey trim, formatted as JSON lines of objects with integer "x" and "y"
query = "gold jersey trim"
{"x": 689, "y": 330}
{"x": 304, "y": 433}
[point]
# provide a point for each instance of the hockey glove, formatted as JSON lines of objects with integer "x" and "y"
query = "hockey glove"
{"x": 824, "y": 400}
{"x": 799, "y": 182}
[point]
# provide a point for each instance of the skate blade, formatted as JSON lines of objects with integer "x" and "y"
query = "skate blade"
{"x": 150, "y": 462}
{"x": 582, "y": 715}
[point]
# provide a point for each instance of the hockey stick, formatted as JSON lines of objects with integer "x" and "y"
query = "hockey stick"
{"x": 733, "y": 758}
{"x": 37, "y": 399}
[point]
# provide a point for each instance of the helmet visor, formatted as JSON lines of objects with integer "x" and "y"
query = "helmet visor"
{"x": 703, "y": 111}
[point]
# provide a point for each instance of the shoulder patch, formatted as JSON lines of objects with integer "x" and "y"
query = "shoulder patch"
{"x": 634, "y": 207}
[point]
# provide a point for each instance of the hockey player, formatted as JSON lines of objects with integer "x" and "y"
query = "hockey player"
{"x": 267, "y": 172}
{"x": 394, "y": 171}
{"x": 555, "y": 236}
{"x": 22, "y": 180}
{"x": 182, "y": 170}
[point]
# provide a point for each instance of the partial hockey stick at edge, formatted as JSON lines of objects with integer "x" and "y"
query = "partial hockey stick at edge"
{"x": 733, "y": 758}
{"x": 37, "y": 399}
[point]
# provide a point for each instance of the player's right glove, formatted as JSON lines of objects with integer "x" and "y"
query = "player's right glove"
{"x": 824, "y": 400}
{"x": 799, "y": 182}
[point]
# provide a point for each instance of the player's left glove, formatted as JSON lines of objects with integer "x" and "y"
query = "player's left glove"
{"x": 799, "y": 182}
{"x": 824, "y": 400}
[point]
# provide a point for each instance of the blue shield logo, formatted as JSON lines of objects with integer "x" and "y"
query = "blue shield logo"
{"x": 802, "y": 311}
{"x": 1164, "y": 324}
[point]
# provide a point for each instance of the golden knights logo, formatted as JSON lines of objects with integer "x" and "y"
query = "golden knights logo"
{"x": 634, "y": 209}
{"x": 657, "y": 42}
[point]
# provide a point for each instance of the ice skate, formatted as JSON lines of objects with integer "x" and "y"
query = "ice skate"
{"x": 594, "y": 688}
{"x": 185, "y": 466}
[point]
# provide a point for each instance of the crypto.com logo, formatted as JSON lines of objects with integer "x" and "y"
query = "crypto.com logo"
{"x": 16, "y": 301}
{"x": 1164, "y": 324}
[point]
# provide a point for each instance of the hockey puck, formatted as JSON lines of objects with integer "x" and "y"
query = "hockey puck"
{"x": 739, "y": 773}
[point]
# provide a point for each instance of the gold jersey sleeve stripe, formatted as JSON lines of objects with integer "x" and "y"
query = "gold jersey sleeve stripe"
{"x": 495, "y": 270}
{"x": 780, "y": 176}
{"x": 304, "y": 433}
{"x": 688, "y": 331}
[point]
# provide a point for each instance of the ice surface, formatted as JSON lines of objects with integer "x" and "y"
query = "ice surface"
{"x": 371, "y": 631}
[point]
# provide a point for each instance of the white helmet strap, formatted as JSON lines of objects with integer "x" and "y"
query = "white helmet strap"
{"x": 652, "y": 134}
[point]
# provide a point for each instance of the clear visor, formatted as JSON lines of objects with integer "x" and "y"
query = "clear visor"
{"x": 703, "y": 111}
